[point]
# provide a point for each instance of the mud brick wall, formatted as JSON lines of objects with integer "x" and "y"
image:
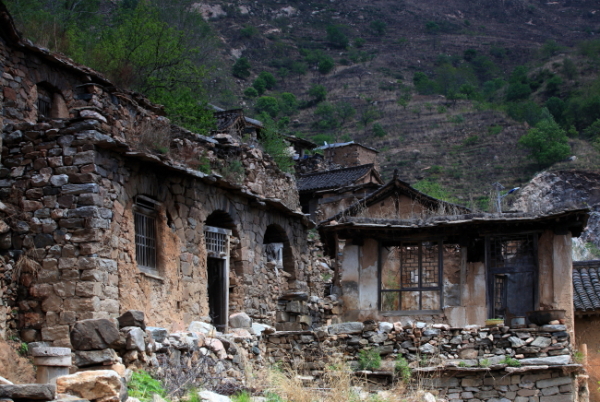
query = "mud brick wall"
{"x": 68, "y": 184}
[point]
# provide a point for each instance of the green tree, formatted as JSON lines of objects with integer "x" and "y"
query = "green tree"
{"x": 325, "y": 113}
{"x": 556, "y": 106}
{"x": 273, "y": 143}
{"x": 547, "y": 142}
{"x": 326, "y": 64}
{"x": 344, "y": 111}
{"x": 369, "y": 115}
{"x": 241, "y": 68}
{"x": 336, "y": 37}
{"x": 269, "y": 79}
{"x": 267, "y": 104}
{"x": 260, "y": 85}
{"x": 318, "y": 93}
{"x": 288, "y": 103}
{"x": 250, "y": 92}
{"x": 378, "y": 130}
{"x": 569, "y": 69}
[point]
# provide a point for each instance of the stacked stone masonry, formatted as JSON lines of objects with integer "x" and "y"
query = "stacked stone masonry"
{"x": 68, "y": 186}
{"x": 469, "y": 364}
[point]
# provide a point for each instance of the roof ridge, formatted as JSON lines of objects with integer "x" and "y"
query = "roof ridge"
{"x": 336, "y": 170}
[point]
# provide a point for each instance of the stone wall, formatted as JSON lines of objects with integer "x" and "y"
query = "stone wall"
{"x": 478, "y": 364}
{"x": 68, "y": 185}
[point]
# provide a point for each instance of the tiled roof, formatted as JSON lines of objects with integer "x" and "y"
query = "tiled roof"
{"x": 586, "y": 285}
{"x": 332, "y": 178}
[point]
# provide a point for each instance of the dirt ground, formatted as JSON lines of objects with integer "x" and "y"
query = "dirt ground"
{"x": 13, "y": 366}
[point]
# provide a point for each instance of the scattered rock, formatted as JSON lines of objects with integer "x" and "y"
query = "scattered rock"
{"x": 240, "y": 320}
{"x": 96, "y": 386}
{"x": 132, "y": 318}
{"x": 37, "y": 392}
{"x": 94, "y": 334}
{"x": 213, "y": 397}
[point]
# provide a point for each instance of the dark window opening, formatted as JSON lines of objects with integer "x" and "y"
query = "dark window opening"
{"x": 411, "y": 280}
{"x": 145, "y": 234}
{"x": 512, "y": 275}
{"x": 44, "y": 103}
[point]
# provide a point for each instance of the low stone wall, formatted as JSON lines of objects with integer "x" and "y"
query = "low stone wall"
{"x": 464, "y": 364}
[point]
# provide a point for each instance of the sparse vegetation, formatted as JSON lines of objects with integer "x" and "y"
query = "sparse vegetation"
{"x": 369, "y": 359}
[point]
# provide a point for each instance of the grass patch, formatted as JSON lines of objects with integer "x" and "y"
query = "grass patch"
{"x": 142, "y": 386}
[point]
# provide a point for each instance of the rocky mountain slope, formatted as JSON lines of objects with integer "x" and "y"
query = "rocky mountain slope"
{"x": 555, "y": 191}
{"x": 461, "y": 147}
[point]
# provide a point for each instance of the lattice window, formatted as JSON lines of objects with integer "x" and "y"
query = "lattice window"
{"x": 217, "y": 241}
{"x": 512, "y": 251}
{"x": 145, "y": 233}
{"x": 411, "y": 278}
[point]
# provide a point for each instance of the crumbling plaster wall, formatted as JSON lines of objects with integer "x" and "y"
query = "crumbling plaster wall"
{"x": 179, "y": 296}
{"x": 465, "y": 283}
{"x": 350, "y": 155}
{"x": 67, "y": 185}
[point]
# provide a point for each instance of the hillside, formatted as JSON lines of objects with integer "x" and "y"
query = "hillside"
{"x": 435, "y": 86}
{"x": 463, "y": 146}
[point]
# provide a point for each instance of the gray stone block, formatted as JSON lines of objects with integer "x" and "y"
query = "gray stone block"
{"x": 38, "y": 392}
{"x": 94, "y": 334}
{"x": 95, "y": 357}
{"x": 132, "y": 318}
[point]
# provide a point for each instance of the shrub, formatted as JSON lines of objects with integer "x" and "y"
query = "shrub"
{"x": 234, "y": 171}
{"x": 268, "y": 79}
{"x": 241, "y": 68}
{"x": 318, "y": 93}
{"x": 275, "y": 145}
{"x": 250, "y": 92}
{"x": 369, "y": 359}
{"x": 326, "y": 65}
{"x": 547, "y": 142}
{"x": 267, "y": 104}
{"x": 259, "y": 85}
{"x": 336, "y": 37}
{"x": 401, "y": 369}
{"x": 288, "y": 103}
{"x": 378, "y": 130}
{"x": 472, "y": 140}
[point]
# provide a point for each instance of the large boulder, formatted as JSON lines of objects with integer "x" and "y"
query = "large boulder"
{"x": 37, "y": 392}
{"x": 240, "y": 320}
{"x": 95, "y": 386}
{"x": 132, "y": 318}
{"x": 94, "y": 334}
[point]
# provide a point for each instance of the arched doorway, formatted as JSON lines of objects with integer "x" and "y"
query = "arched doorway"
{"x": 217, "y": 232}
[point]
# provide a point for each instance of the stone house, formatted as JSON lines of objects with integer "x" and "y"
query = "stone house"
{"x": 106, "y": 207}
{"x": 401, "y": 255}
{"x": 586, "y": 297}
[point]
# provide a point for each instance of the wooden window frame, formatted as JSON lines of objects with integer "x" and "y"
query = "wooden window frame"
{"x": 419, "y": 288}
{"x": 145, "y": 216}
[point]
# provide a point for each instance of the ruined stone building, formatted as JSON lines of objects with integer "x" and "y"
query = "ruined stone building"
{"x": 330, "y": 183}
{"x": 106, "y": 207}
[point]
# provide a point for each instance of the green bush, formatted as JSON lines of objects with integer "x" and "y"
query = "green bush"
{"x": 318, "y": 93}
{"x": 378, "y": 131}
{"x": 267, "y": 104}
{"x": 325, "y": 114}
{"x": 268, "y": 79}
{"x": 401, "y": 369}
{"x": 250, "y": 92}
{"x": 336, "y": 37}
{"x": 259, "y": 85}
{"x": 546, "y": 142}
{"x": 142, "y": 386}
{"x": 509, "y": 361}
{"x": 241, "y": 68}
{"x": 288, "y": 103}
{"x": 369, "y": 359}
{"x": 359, "y": 42}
